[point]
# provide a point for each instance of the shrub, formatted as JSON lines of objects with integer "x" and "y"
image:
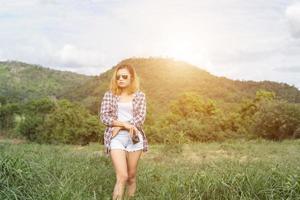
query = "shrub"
{"x": 33, "y": 116}
{"x": 277, "y": 120}
{"x": 69, "y": 123}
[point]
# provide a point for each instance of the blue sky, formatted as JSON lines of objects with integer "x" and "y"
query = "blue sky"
{"x": 245, "y": 40}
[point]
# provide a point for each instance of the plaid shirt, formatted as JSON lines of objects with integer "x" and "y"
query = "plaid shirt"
{"x": 109, "y": 111}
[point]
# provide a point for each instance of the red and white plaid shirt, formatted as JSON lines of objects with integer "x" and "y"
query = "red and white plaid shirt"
{"x": 109, "y": 111}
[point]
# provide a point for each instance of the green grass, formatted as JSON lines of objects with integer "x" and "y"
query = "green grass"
{"x": 235, "y": 169}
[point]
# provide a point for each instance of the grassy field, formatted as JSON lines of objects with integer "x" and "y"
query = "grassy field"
{"x": 236, "y": 169}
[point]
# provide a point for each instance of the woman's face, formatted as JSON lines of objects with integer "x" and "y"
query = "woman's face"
{"x": 123, "y": 78}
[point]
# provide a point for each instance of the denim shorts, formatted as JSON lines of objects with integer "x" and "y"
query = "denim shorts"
{"x": 123, "y": 141}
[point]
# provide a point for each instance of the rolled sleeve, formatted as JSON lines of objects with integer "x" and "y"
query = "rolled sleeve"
{"x": 105, "y": 112}
{"x": 140, "y": 115}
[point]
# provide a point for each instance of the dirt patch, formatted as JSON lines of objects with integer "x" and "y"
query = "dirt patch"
{"x": 78, "y": 147}
{"x": 203, "y": 156}
{"x": 12, "y": 141}
{"x": 243, "y": 159}
{"x": 191, "y": 155}
{"x": 18, "y": 141}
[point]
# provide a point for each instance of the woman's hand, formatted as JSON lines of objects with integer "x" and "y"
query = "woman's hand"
{"x": 131, "y": 128}
{"x": 116, "y": 129}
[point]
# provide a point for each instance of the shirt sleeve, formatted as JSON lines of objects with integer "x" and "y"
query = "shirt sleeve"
{"x": 140, "y": 115}
{"x": 106, "y": 110}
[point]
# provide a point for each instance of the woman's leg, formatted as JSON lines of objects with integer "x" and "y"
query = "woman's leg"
{"x": 118, "y": 157}
{"x": 132, "y": 162}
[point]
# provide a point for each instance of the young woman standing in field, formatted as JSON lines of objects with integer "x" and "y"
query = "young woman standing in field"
{"x": 123, "y": 111}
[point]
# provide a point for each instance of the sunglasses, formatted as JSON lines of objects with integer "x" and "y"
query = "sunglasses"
{"x": 124, "y": 76}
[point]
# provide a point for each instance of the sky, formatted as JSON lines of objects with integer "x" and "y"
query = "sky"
{"x": 241, "y": 40}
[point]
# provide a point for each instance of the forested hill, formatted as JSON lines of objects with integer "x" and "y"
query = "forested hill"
{"x": 163, "y": 79}
{"x": 21, "y": 81}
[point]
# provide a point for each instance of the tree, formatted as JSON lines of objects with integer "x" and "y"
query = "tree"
{"x": 190, "y": 104}
{"x": 277, "y": 120}
{"x": 69, "y": 123}
{"x": 33, "y": 116}
{"x": 7, "y": 115}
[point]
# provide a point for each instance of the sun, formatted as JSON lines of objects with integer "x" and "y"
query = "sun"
{"x": 183, "y": 47}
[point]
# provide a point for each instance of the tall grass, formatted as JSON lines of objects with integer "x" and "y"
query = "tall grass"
{"x": 230, "y": 170}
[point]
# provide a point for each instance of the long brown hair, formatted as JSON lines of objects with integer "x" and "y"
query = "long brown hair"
{"x": 134, "y": 80}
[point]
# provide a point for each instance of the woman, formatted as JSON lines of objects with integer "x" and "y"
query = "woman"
{"x": 123, "y": 111}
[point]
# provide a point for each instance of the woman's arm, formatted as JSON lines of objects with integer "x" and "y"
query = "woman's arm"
{"x": 106, "y": 110}
{"x": 119, "y": 123}
{"x": 140, "y": 117}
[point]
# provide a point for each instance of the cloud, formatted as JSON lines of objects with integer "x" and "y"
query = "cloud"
{"x": 75, "y": 56}
{"x": 293, "y": 16}
{"x": 295, "y": 69}
{"x": 234, "y": 38}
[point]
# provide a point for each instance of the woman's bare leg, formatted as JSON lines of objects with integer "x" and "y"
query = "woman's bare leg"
{"x": 132, "y": 162}
{"x": 118, "y": 157}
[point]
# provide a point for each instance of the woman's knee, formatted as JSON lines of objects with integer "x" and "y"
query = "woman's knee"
{"x": 123, "y": 178}
{"x": 131, "y": 178}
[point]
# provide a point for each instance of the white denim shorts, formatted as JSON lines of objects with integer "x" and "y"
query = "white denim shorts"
{"x": 123, "y": 141}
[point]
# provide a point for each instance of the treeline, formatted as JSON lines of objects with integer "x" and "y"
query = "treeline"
{"x": 190, "y": 118}
{"x": 158, "y": 76}
{"x": 20, "y": 82}
{"x": 193, "y": 118}
{"x": 50, "y": 121}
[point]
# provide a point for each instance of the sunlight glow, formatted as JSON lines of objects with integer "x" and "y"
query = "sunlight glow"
{"x": 184, "y": 47}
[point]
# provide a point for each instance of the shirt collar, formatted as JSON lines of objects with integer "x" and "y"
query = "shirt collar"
{"x": 134, "y": 96}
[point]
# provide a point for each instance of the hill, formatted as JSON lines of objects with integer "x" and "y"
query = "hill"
{"x": 164, "y": 79}
{"x": 20, "y": 81}
{"x": 161, "y": 79}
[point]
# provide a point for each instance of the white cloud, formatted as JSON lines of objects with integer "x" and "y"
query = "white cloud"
{"x": 80, "y": 57}
{"x": 293, "y": 15}
{"x": 235, "y": 38}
